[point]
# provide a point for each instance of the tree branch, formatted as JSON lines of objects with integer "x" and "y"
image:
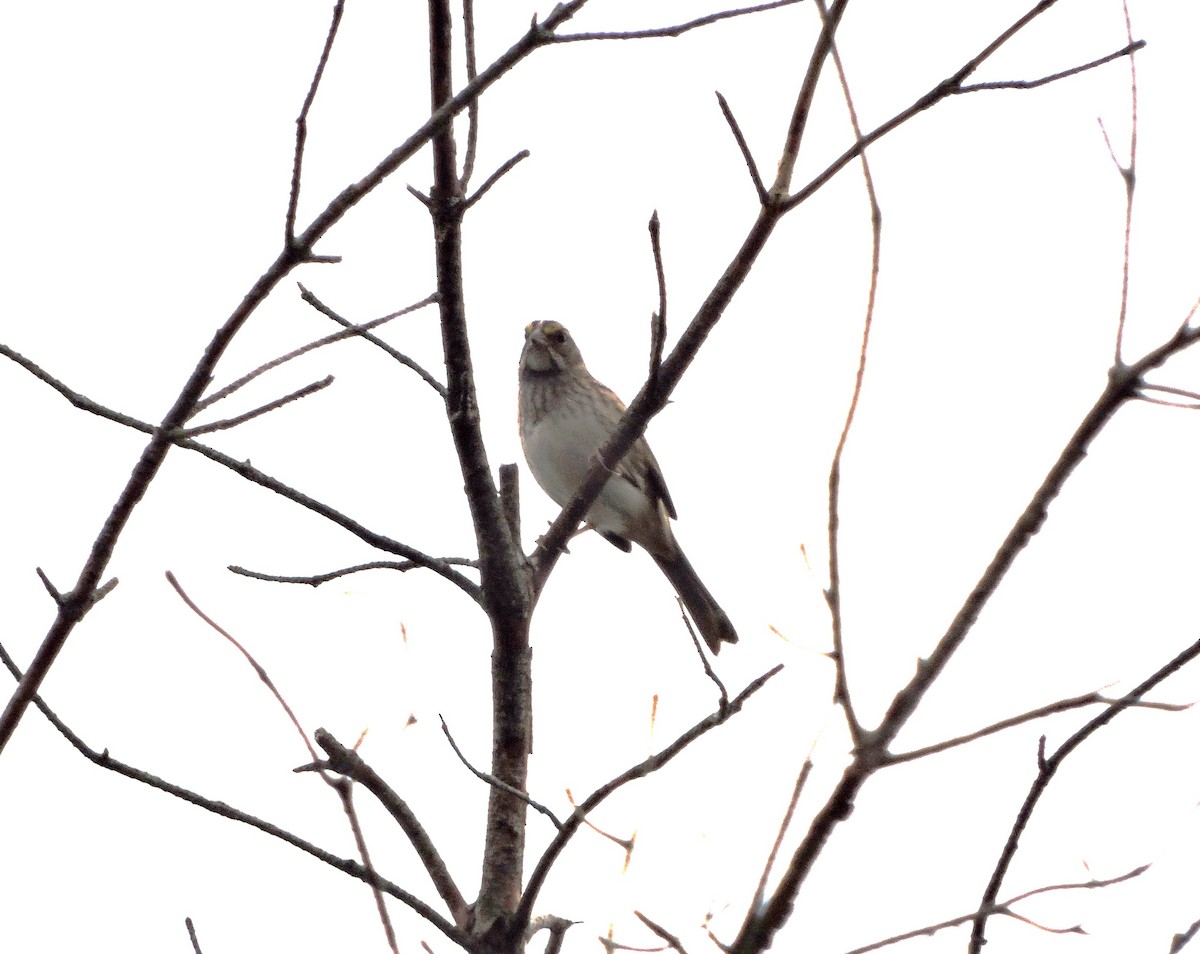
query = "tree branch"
{"x": 1046, "y": 771}
{"x": 671, "y": 31}
{"x": 345, "y": 865}
{"x": 442, "y": 567}
{"x": 646, "y": 767}
{"x": 348, "y": 762}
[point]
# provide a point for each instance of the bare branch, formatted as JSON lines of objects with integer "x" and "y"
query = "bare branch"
{"x": 805, "y": 770}
{"x": 497, "y": 783}
{"x": 1180, "y": 941}
{"x": 257, "y": 412}
{"x": 1003, "y": 908}
{"x": 402, "y": 566}
{"x": 833, "y": 595}
{"x": 677, "y": 30}
{"x": 830, "y": 20}
{"x": 254, "y": 664}
{"x": 646, "y": 767}
{"x": 346, "y": 866}
{"x": 747, "y": 156}
{"x": 672, "y": 941}
{"x": 1127, "y": 50}
{"x": 191, "y": 929}
{"x": 557, "y": 927}
{"x": 472, "y": 110}
{"x": 495, "y": 177}
{"x": 254, "y": 475}
{"x": 351, "y": 331}
{"x": 1046, "y": 770}
{"x": 1129, "y": 178}
{"x": 348, "y": 762}
{"x": 658, "y": 321}
{"x": 1062, "y": 705}
{"x": 345, "y": 789}
{"x": 362, "y": 331}
{"x": 948, "y": 87}
{"x": 289, "y": 228}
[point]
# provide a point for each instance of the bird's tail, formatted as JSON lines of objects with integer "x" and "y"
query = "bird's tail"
{"x": 706, "y": 613}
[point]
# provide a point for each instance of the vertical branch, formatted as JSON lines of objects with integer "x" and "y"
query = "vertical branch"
{"x": 1129, "y": 177}
{"x": 473, "y": 109}
{"x": 808, "y": 90}
{"x": 833, "y": 595}
{"x": 658, "y": 321}
{"x": 506, "y": 593}
{"x": 289, "y": 228}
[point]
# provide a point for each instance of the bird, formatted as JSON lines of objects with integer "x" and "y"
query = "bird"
{"x": 565, "y": 416}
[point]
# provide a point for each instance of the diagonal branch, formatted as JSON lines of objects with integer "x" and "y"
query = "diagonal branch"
{"x": 289, "y": 226}
{"x": 1047, "y": 767}
{"x": 345, "y": 865}
{"x": 641, "y": 770}
{"x": 362, "y": 331}
{"x": 348, "y": 762}
{"x": 244, "y": 468}
{"x": 1002, "y": 907}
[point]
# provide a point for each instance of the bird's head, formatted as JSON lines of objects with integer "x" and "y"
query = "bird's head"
{"x": 549, "y": 349}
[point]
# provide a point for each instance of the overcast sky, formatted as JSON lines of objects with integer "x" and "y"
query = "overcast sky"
{"x": 147, "y": 160}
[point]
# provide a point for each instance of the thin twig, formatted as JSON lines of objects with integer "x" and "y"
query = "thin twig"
{"x": 805, "y": 770}
{"x": 402, "y": 566}
{"x": 833, "y": 595}
{"x": 673, "y": 942}
{"x": 232, "y": 422}
{"x": 1048, "y": 766}
{"x": 1062, "y": 705}
{"x": 497, "y": 783}
{"x": 1129, "y": 178}
{"x": 948, "y": 87}
{"x": 1128, "y": 50}
{"x": 747, "y": 156}
{"x": 658, "y": 320}
{"x": 468, "y": 7}
{"x": 351, "y": 331}
{"x": 646, "y": 767}
{"x": 1004, "y": 909}
{"x": 345, "y": 789}
{"x": 494, "y": 178}
{"x": 191, "y": 929}
{"x": 676, "y": 30}
{"x": 830, "y": 20}
{"x": 722, "y": 692}
{"x": 342, "y": 786}
{"x": 361, "y": 331}
{"x": 1193, "y": 395}
{"x": 254, "y": 664}
{"x": 289, "y": 228}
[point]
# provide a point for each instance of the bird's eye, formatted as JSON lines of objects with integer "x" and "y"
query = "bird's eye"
{"x": 558, "y": 337}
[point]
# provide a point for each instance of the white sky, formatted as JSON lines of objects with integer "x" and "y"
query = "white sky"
{"x": 148, "y": 151}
